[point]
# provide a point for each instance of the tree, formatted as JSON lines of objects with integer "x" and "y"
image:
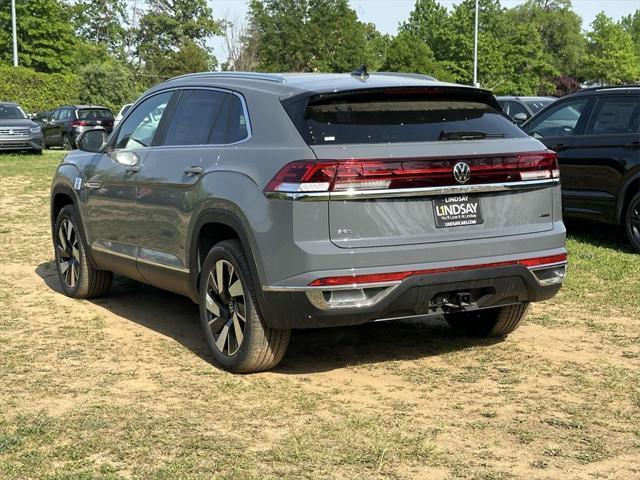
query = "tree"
{"x": 407, "y": 53}
{"x": 45, "y": 37}
{"x": 110, "y": 84}
{"x": 631, "y": 24}
{"x": 241, "y": 48}
{"x": 611, "y": 57}
{"x": 311, "y": 35}
{"x": 559, "y": 27}
{"x": 429, "y": 22}
{"x": 169, "y": 25}
{"x": 102, "y": 22}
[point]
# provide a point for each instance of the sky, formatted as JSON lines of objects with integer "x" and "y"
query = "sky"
{"x": 387, "y": 14}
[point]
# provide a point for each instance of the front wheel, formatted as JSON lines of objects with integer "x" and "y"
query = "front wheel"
{"x": 66, "y": 142}
{"x": 237, "y": 337}
{"x": 78, "y": 277}
{"x": 632, "y": 222}
{"x": 490, "y": 322}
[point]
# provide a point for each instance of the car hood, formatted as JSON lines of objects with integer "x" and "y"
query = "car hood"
{"x": 17, "y": 122}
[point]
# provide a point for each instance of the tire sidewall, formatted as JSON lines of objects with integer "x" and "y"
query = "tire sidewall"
{"x": 221, "y": 252}
{"x": 635, "y": 201}
{"x": 69, "y": 213}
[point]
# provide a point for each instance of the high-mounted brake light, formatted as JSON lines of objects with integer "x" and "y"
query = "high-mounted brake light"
{"x": 399, "y": 276}
{"x": 342, "y": 175}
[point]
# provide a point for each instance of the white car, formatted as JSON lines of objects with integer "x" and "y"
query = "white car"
{"x": 123, "y": 111}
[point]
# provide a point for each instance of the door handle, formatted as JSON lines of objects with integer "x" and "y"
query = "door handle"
{"x": 559, "y": 147}
{"x": 193, "y": 171}
{"x": 133, "y": 169}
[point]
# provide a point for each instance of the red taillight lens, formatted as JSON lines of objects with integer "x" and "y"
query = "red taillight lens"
{"x": 341, "y": 175}
{"x": 399, "y": 276}
{"x": 80, "y": 123}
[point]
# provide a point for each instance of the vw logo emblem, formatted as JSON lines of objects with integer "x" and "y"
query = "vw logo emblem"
{"x": 461, "y": 172}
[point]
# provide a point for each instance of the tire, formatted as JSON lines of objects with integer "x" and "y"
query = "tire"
{"x": 491, "y": 322}
{"x": 632, "y": 222}
{"x": 77, "y": 276}
{"x": 37, "y": 152}
{"x": 238, "y": 346}
{"x": 66, "y": 142}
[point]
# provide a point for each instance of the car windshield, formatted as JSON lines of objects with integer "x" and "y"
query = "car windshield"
{"x": 94, "y": 114}
{"x": 11, "y": 112}
{"x": 537, "y": 105}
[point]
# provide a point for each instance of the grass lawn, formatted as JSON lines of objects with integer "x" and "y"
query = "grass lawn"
{"x": 122, "y": 387}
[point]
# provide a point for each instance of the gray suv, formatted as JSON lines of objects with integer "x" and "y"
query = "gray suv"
{"x": 282, "y": 201}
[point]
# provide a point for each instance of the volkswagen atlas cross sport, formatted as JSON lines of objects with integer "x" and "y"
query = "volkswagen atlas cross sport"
{"x": 285, "y": 201}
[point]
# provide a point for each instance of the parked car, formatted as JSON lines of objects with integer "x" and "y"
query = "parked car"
{"x": 68, "y": 122}
{"x": 40, "y": 117}
{"x": 596, "y": 133}
{"x": 17, "y": 132}
{"x": 521, "y": 109}
{"x": 123, "y": 111}
{"x": 280, "y": 201}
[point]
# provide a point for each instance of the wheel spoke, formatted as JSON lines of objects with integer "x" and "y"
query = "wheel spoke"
{"x": 64, "y": 266}
{"x": 63, "y": 253}
{"x": 62, "y": 235}
{"x": 73, "y": 274}
{"x": 75, "y": 252}
{"x": 235, "y": 290}
{"x": 69, "y": 231}
{"x": 222, "y": 339}
{"x": 212, "y": 306}
{"x": 237, "y": 328}
{"x": 216, "y": 324}
{"x": 220, "y": 276}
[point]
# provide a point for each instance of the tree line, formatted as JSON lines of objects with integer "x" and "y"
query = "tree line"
{"x": 114, "y": 49}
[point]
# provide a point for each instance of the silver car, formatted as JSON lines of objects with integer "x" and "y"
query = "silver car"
{"x": 17, "y": 131}
{"x": 285, "y": 201}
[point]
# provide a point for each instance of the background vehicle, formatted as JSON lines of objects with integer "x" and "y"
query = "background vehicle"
{"x": 596, "y": 133}
{"x": 280, "y": 201}
{"x": 123, "y": 111}
{"x": 521, "y": 109}
{"x": 68, "y": 122}
{"x": 17, "y": 132}
{"x": 40, "y": 118}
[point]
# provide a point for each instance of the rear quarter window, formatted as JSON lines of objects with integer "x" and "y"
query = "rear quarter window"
{"x": 384, "y": 119}
{"x": 94, "y": 114}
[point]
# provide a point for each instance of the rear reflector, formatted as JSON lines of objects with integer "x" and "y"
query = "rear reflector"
{"x": 341, "y": 175}
{"x": 399, "y": 276}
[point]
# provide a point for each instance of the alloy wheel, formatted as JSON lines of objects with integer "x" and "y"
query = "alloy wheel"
{"x": 226, "y": 309}
{"x": 68, "y": 253}
{"x": 66, "y": 143}
{"x": 634, "y": 221}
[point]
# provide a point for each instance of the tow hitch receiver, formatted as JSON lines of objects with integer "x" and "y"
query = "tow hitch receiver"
{"x": 457, "y": 300}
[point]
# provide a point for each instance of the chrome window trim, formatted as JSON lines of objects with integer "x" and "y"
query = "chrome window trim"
{"x": 245, "y": 111}
{"x": 414, "y": 192}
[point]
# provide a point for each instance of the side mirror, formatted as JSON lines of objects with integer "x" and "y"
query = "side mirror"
{"x": 520, "y": 117}
{"x": 92, "y": 140}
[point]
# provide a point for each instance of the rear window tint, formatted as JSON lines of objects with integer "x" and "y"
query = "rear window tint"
{"x": 390, "y": 120}
{"x": 94, "y": 113}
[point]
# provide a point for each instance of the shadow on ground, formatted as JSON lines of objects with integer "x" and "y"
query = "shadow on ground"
{"x": 607, "y": 236}
{"x": 309, "y": 351}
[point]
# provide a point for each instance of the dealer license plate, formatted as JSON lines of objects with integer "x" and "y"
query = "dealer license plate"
{"x": 457, "y": 211}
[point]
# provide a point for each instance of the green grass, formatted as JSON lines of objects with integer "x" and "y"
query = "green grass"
{"x": 123, "y": 388}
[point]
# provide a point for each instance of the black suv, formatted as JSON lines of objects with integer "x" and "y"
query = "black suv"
{"x": 66, "y": 123}
{"x": 596, "y": 133}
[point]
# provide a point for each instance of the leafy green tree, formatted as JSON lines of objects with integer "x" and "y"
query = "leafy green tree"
{"x": 429, "y": 22}
{"x": 631, "y": 24}
{"x": 312, "y": 35}
{"x": 559, "y": 27}
{"x": 407, "y": 53}
{"x": 110, "y": 84}
{"x": 45, "y": 37}
{"x": 166, "y": 27}
{"x": 102, "y": 22}
{"x": 611, "y": 58}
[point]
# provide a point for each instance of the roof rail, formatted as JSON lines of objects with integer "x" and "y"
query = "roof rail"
{"x": 608, "y": 87}
{"x": 418, "y": 76}
{"x": 268, "y": 77}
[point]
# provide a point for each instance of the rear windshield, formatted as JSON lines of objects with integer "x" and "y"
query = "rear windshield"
{"x": 390, "y": 120}
{"x": 11, "y": 112}
{"x": 94, "y": 114}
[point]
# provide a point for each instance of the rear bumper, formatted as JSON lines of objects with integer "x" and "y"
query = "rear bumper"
{"x": 421, "y": 294}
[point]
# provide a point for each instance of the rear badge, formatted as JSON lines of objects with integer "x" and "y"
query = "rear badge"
{"x": 78, "y": 183}
{"x": 457, "y": 211}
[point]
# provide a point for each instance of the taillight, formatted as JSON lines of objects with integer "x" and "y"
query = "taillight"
{"x": 399, "y": 276}
{"x": 341, "y": 175}
{"x": 79, "y": 123}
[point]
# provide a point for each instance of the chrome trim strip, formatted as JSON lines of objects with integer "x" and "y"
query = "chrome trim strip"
{"x": 138, "y": 259}
{"x": 552, "y": 281}
{"x": 414, "y": 192}
{"x": 317, "y": 299}
{"x": 351, "y": 286}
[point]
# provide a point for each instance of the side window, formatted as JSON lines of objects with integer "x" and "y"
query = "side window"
{"x": 515, "y": 108}
{"x": 55, "y": 115}
{"x": 140, "y": 127}
{"x": 65, "y": 114}
{"x": 559, "y": 121}
{"x": 504, "y": 105}
{"x": 615, "y": 115}
{"x": 205, "y": 117}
